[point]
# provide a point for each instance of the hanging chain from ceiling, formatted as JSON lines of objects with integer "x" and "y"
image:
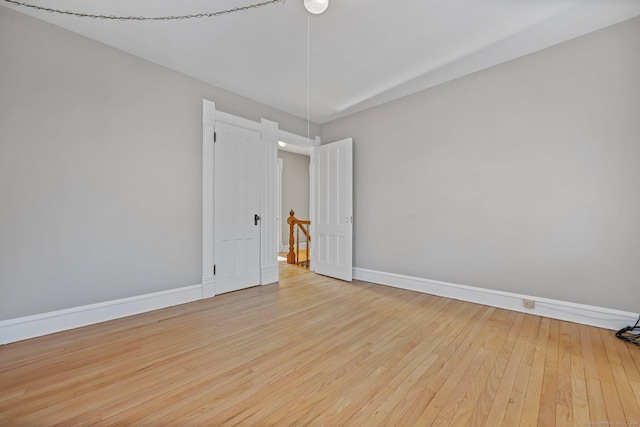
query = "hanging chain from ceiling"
{"x": 147, "y": 18}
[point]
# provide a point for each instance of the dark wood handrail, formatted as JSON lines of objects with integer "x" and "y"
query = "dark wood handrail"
{"x": 293, "y": 256}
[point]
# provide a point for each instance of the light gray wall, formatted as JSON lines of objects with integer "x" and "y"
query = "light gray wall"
{"x": 100, "y": 170}
{"x": 295, "y": 189}
{"x": 524, "y": 177}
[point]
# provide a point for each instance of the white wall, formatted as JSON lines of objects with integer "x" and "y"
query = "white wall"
{"x": 295, "y": 190}
{"x": 524, "y": 177}
{"x": 100, "y": 170}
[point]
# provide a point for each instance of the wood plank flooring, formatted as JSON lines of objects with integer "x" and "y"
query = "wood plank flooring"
{"x": 317, "y": 351}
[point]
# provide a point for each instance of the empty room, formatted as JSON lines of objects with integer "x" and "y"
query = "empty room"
{"x": 320, "y": 212}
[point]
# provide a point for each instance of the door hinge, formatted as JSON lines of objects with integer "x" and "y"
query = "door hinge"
{"x": 215, "y": 137}
{"x": 214, "y": 269}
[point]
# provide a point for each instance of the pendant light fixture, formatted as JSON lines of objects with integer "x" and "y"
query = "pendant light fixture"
{"x": 316, "y": 6}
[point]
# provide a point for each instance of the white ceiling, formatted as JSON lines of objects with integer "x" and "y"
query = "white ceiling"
{"x": 362, "y": 52}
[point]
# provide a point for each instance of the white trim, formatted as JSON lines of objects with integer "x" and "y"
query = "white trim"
{"x": 579, "y": 313}
{"x": 269, "y": 203}
{"x": 223, "y": 117}
{"x": 297, "y": 144}
{"x": 268, "y": 164}
{"x": 270, "y": 274}
{"x": 279, "y": 212}
{"x": 208, "y": 287}
{"x": 208, "y": 199}
{"x": 295, "y": 139}
{"x": 312, "y": 207}
{"x": 23, "y": 328}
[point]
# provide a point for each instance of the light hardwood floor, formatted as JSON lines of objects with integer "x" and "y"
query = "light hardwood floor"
{"x": 317, "y": 351}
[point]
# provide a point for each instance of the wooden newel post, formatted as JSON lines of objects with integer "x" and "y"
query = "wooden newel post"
{"x": 291, "y": 256}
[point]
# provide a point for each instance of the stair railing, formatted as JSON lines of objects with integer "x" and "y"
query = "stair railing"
{"x": 293, "y": 257}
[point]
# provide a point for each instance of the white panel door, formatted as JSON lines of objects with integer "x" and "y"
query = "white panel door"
{"x": 332, "y": 222}
{"x": 237, "y": 208}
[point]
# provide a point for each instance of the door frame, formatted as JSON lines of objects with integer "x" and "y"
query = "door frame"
{"x": 299, "y": 141}
{"x": 269, "y": 238}
{"x": 279, "y": 204}
{"x": 268, "y": 174}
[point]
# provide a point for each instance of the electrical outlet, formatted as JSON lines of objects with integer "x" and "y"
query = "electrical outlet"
{"x": 529, "y": 303}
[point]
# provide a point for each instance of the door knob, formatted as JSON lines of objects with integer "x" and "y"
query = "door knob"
{"x": 256, "y": 218}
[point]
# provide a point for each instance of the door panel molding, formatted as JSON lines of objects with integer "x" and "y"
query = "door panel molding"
{"x": 332, "y": 218}
{"x": 237, "y": 207}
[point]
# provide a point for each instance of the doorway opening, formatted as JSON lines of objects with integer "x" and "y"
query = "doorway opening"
{"x": 294, "y": 191}
{"x": 251, "y": 231}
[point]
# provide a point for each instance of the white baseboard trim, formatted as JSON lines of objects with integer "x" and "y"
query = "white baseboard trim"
{"x": 270, "y": 275}
{"x": 23, "y": 328}
{"x": 555, "y": 309}
{"x": 208, "y": 287}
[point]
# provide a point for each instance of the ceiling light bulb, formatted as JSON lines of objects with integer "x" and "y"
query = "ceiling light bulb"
{"x": 316, "y": 6}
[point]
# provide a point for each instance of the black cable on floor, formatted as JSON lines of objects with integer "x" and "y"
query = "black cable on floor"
{"x": 630, "y": 333}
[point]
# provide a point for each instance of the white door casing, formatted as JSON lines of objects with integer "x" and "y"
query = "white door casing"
{"x": 332, "y": 218}
{"x": 281, "y": 244}
{"x": 269, "y": 203}
{"x": 208, "y": 230}
{"x": 266, "y": 169}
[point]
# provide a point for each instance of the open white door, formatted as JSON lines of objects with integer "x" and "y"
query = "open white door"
{"x": 237, "y": 208}
{"x": 332, "y": 220}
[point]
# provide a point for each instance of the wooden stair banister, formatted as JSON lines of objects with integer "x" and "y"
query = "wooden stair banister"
{"x": 293, "y": 257}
